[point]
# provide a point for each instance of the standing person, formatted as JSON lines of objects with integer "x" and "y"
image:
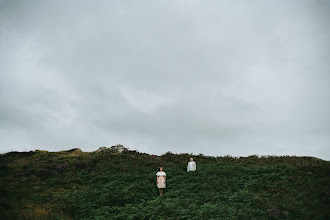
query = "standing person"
{"x": 161, "y": 179}
{"x": 191, "y": 165}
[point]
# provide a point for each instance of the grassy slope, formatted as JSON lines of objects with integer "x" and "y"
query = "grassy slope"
{"x": 81, "y": 185}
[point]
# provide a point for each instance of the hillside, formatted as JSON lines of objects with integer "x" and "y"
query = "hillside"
{"x": 121, "y": 185}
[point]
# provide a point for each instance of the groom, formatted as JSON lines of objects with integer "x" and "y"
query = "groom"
{"x": 191, "y": 165}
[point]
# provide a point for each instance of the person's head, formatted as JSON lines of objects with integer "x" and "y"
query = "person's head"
{"x": 191, "y": 159}
{"x": 161, "y": 169}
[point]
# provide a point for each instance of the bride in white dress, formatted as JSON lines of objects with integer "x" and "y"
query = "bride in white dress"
{"x": 161, "y": 180}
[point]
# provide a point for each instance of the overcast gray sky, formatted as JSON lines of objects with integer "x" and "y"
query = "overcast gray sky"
{"x": 214, "y": 77}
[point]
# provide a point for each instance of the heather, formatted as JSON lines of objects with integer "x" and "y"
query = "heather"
{"x": 108, "y": 184}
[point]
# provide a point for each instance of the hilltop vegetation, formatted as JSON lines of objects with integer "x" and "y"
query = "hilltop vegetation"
{"x": 121, "y": 185}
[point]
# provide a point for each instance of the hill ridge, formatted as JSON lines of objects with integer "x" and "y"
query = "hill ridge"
{"x": 122, "y": 185}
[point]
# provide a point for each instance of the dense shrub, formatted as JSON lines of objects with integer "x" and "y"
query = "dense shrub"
{"x": 121, "y": 185}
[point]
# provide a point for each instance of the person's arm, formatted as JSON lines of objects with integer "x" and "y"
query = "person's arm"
{"x": 164, "y": 179}
{"x": 194, "y": 165}
{"x": 157, "y": 179}
{"x": 188, "y": 167}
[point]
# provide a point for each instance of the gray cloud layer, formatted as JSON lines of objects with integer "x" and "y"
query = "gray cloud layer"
{"x": 212, "y": 77}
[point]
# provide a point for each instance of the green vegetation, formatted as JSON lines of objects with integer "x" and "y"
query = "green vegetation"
{"x": 122, "y": 185}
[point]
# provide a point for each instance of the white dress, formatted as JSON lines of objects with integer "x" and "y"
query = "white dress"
{"x": 161, "y": 180}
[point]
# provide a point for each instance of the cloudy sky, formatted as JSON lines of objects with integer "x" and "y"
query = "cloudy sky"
{"x": 214, "y": 77}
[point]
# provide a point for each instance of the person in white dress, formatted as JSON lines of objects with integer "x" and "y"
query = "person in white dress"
{"x": 161, "y": 180}
{"x": 191, "y": 165}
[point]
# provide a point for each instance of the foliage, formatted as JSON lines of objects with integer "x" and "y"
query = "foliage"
{"x": 121, "y": 185}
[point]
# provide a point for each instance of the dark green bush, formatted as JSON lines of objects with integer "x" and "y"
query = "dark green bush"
{"x": 112, "y": 185}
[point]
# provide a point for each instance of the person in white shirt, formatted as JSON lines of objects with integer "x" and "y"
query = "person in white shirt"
{"x": 161, "y": 179}
{"x": 191, "y": 165}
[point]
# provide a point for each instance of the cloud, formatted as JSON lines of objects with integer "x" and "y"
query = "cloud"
{"x": 204, "y": 77}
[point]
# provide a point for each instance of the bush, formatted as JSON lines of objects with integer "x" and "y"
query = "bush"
{"x": 122, "y": 185}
